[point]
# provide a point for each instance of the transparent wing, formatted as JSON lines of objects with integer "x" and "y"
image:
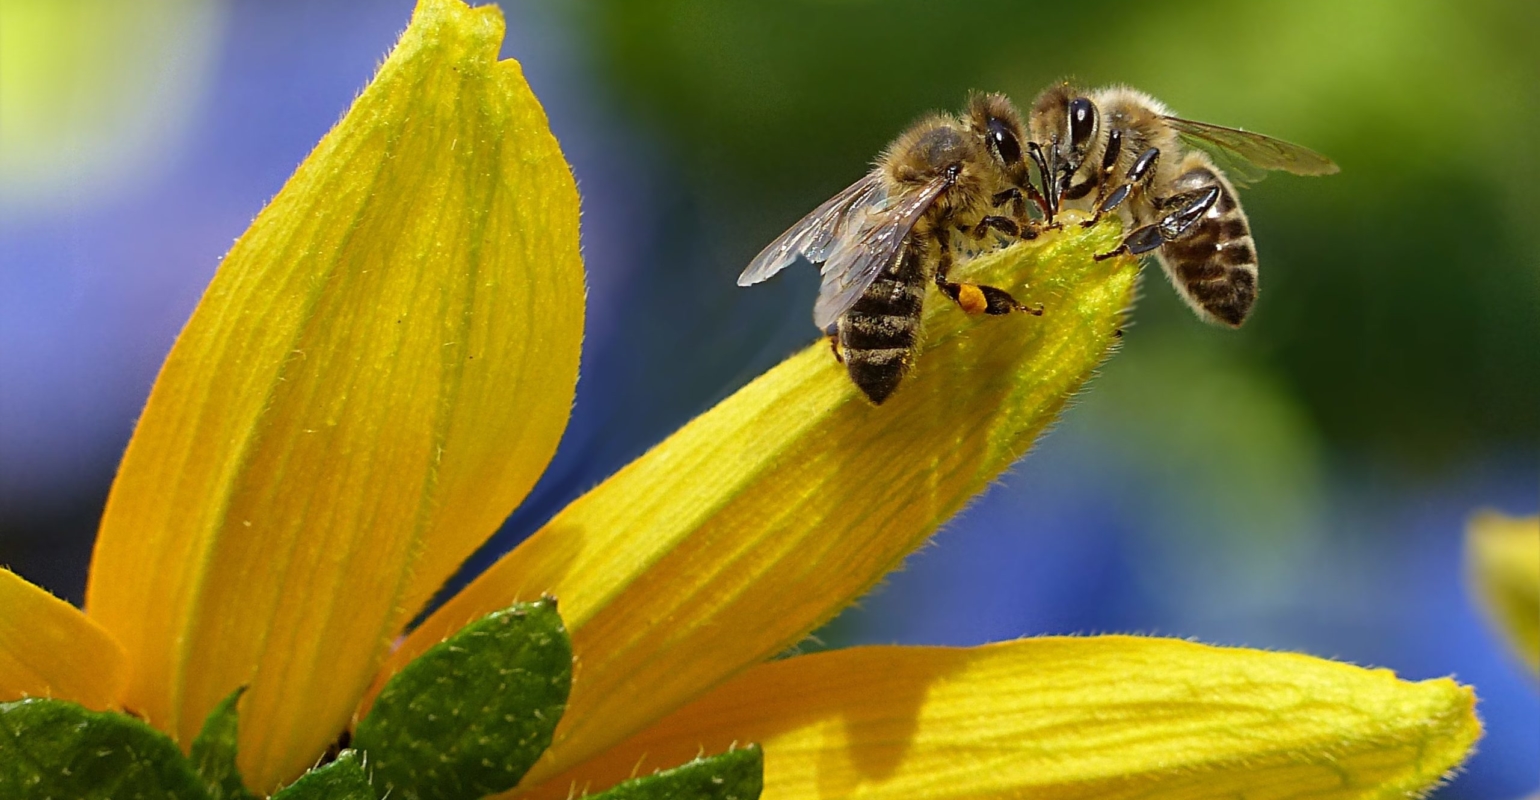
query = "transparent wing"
{"x": 1241, "y": 172}
{"x": 815, "y": 234}
{"x": 854, "y": 261}
{"x": 1233, "y": 145}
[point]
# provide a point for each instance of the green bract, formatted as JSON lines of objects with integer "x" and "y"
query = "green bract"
{"x": 469, "y": 717}
{"x": 57, "y": 749}
{"x": 213, "y": 752}
{"x": 734, "y": 775}
{"x": 343, "y": 779}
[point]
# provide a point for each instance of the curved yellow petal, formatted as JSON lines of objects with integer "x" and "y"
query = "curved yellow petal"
{"x": 1502, "y": 555}
{"x": 49, "y": 649}
{"x": 759, "y": 520}
{"x": 1098, "y": 718}
{"x": 376, "y": 376}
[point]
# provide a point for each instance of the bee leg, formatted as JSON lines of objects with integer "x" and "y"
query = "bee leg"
{"x": 1005, "y": 225}
{"x": 1138, "y": 174}
{"x": 1010, "y": 198}
{"x": 1142, "y": 240}
{"x": 1037, "y": 199}
{"x": 973, "y": 298}
{"x": 1184, "y": 212}
{"x": 833, "y": 335}
{"x": 1016, "y": 203}
{"x": 1109, "y": 163}
{"x": 1027, "y": 228}
{"x": 1047, "y": 198}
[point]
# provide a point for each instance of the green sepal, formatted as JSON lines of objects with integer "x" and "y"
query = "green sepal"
{"x": 213, "y": 752}
{"x": 343, "y": 779}
{"x": 57, "y": 749}
{"x": 469, "y": 717}
{"x": 734, "y": 775}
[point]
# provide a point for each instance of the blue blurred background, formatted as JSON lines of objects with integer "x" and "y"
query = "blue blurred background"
{"x": 1301, "y": 484}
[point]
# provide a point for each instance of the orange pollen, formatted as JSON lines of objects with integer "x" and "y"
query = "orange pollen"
{"x": 971, "y": 298}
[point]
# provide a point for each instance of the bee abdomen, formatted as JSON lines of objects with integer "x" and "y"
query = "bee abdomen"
{"x": 879, "y": 333}
{"x": 878, "y": 372}
{"x": 1215, "y": 264}
{"x": 898, "y": 296}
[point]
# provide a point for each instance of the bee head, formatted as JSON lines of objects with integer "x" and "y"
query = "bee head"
{"x": 1065, "y": 122}
{"x": 993, "y": 119}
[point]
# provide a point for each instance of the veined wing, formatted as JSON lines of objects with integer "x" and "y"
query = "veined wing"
{"x": 1254, "y": 149}
{"x": 856, "y": 260}
{"x": 815, "y": 234}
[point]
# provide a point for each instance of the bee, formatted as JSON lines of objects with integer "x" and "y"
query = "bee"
{"x": 882, "y": 239}
{"x": 1117, "y": 149}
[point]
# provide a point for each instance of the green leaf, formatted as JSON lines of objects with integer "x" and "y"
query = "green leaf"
{"x": 213, "y": 752}
{"x": 734, "y": 775}
{"x": 343, "y": 779}
{"x": 468, "y": 717}
{"x": 56, "y": 749}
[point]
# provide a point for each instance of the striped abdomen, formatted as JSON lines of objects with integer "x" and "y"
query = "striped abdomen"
{"x": 878, "y": 334}
{"x": 1213, "y": 266}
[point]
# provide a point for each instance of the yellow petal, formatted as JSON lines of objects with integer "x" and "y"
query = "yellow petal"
{"x": 49, "y": 649}
{"x": 1502, "y": 555}
{"x": 1097, "y": 718}
{"x": 377, "y": 375}
{"x": 761, "y": 519}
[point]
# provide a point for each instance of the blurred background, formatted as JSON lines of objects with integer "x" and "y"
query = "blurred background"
{"x": 1302, "y": 484}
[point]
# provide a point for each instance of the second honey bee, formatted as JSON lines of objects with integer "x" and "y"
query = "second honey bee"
{"x": 1117, "y": 149}
{"x": 882, "y": 239}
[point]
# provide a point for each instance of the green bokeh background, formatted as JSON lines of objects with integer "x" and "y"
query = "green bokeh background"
{"x": 1399, "y": 302}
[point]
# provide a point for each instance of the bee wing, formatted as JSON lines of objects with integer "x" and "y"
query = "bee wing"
{"x": 814, "y": 234}
{"x": 1244, "y": 149}
{"x": 856, "y": 259}
{"x": 1241, "y": 172}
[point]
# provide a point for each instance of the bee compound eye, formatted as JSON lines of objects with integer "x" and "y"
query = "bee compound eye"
{"x": 1082, "y": 122}
{"x": 1004, "y": 142}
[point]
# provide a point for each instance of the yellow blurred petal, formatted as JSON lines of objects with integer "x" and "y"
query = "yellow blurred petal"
{"x": 49, "y": 649}
{"x": 761, "y": 519}
{"x": 1502, "y": 555}
{"x": 1097, "y": 718}
{"x": 377, "y": 375}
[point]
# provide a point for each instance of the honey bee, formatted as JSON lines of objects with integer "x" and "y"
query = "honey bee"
{"x": 1117, "y": 149}
{"x": 882, "y": 239}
